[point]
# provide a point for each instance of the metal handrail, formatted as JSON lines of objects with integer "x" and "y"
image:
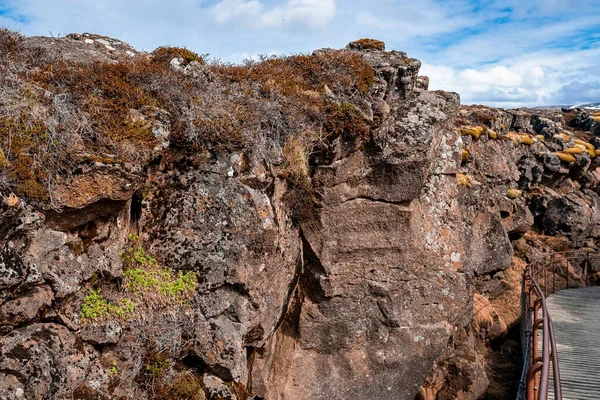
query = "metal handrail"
{"x": 535, "y": 319}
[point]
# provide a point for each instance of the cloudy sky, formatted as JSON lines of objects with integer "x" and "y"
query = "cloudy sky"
{"x": 499, "y": 52}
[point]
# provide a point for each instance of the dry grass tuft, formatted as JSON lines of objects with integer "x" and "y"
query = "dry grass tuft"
{"x": 573, "y": 150}
{"x": 565, "y": 157}
{"x": 497, "y": 315}
{"x": 513, "y": 193}
{"x": 474, "y": 131}
{"x": 520, "y": 138}
{"x": 584, "y": 144}
{"x": 295, "y": 167}
{"x": 465, "y": 180}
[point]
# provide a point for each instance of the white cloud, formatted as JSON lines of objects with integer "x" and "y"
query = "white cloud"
{"x": 495, "y": 76}
{"x": 543, "y": 78}
{"x": 502, "y": 52}
{"x": 310, "y": 13}
{"x": 228, "y": 10}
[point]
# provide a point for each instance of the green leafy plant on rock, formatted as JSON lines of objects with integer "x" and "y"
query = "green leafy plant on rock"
{"x": 95, "y": 306}
{"x": 145, "y": 276}
{"x": 113, "y": 369}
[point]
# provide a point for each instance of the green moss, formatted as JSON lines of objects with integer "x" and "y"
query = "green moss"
{"x": 158, "y": 367}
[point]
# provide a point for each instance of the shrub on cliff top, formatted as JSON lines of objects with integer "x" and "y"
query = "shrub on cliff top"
{"x": 10, "y": 43}
{"x": 109, "y": 109}
{"x": 165, "y": 55}
{"x": 367, "y": 44}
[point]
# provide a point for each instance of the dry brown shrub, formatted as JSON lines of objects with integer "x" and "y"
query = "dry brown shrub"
{"x": 504, "y": 311}
{"x": 10, "y": 43}
{"x": 367, "y": 44}
{"x": 164, "y": 55}
{"x": 256, "y": 108}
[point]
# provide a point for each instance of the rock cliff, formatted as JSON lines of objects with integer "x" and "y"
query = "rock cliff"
{"x": 308, "y": 227}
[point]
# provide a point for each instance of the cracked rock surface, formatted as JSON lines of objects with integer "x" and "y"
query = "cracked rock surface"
{"x": 385, "y": 273}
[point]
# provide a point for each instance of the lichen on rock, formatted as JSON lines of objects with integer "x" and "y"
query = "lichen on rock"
{"x": 309, "y": 227}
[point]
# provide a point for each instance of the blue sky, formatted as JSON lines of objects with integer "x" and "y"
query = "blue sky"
{"x": 499, "y": 52}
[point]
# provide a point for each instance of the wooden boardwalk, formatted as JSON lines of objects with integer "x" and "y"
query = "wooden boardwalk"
{"x": 576, "y": 320}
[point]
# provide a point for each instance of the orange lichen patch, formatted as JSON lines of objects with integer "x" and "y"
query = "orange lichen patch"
{"x": 164, "y": 55}
{"x": 596, "y": 118}
{"x": 367, "y": 44}
{"x": 12, "y": 200}
{"x": 597, "y": 153}
{"x": 565, "y": 157}
{"x": 474, "y": 131}
{"x": 541, "y": 138}
{"x": 564, "y": 136}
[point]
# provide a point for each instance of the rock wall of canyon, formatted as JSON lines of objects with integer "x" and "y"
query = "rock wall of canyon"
{"x": 310, "y": 227}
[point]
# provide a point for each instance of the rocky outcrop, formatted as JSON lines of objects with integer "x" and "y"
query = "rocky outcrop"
{"x": 305, "y": 228}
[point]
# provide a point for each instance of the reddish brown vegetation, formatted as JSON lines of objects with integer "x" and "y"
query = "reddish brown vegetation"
{"x": 64, "y": 113}
{"x": 368, "y": 44}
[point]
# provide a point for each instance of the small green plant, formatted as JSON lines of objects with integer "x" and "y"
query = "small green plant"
{"x": 143, "y": 274}
{"x": 95, "y": 306}
{"x": 113, "y": 369}
{"x": 158, "y": 367}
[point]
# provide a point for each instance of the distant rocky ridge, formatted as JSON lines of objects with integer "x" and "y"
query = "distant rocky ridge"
{"x": 309, "y": 227}
{"x": 588, "y": 106}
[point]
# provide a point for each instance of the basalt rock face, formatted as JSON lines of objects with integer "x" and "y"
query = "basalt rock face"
{"x": 370, "y": 260}
{"x": 535, "y": 173}
{"x": 384, "y": 285}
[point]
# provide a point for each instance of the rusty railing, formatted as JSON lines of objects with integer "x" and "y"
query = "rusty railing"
{"x": 542, "y": 278}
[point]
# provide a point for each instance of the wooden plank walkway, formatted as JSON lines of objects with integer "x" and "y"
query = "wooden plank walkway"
{"x": 576, "y": 320}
